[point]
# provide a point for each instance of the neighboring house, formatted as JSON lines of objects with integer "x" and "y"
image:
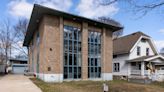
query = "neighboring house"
{"x": 136, "y": 55}
{"x": 63, "y": 46}
{"x": 18, "y": 65}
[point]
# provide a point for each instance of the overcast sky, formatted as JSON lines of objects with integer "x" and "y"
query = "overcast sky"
{"x": 151, "y": 24}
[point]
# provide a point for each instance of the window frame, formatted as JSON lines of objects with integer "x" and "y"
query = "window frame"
{"x": 147, "y": 51}
{"x": 72, "y": 53}
{"x": 94, "y": 54}
{"x": 116, "y": 67}
{"x": 138, "y": 50}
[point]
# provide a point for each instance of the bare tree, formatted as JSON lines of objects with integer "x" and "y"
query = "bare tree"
{"x": 20, "y": 29}
{"x": 11, "y": 38}
{"x": 138, "y": 6}
{"x": 6, "y": 39}
{"x": 112, "y": 22}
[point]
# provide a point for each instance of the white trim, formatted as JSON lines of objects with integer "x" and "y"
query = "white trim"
{"x": 155, "y": 48}
{"x": 107, "y": 76}
{"x": 151, "y": 42}
{"x": 136, "y": 44}
{"x": 50, "y": 77}
{"x": 95, "y": 79}
{"x": 59, "y": 77}
{"x": 161, "y": 68}
{"x": 151, "y": 58}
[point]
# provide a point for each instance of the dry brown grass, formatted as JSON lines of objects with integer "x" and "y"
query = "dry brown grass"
{"x": 92, "y": 86}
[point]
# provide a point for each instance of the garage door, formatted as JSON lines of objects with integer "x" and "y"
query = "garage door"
{"x": 18, "y": 69}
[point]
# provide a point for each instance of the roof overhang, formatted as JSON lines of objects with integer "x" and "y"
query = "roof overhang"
{"x": 39, "y": 11}
{"x": 155, "y": 57}
{"x": 149, "y": 59}
{"x": 21, "y": 60}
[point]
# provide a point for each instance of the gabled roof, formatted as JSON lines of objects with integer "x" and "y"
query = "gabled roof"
{"x": 39, "y": 11}
{"x": 124, "y": 44}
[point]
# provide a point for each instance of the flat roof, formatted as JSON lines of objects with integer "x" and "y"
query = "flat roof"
{"x": 39, "y": 11}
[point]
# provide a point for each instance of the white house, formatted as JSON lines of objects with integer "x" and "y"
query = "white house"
{"x": 136, "y": 55}
{"x": 18, "y": 65}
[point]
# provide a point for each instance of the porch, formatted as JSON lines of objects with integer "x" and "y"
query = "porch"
{"x": 146, "y": 72}
{"x": 143, "y": 67}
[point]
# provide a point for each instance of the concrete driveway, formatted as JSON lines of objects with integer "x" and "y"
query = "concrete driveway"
{"x": 17, "y": 83}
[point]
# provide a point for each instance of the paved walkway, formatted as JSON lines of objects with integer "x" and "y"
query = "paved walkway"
{"x": 17, "y": 83}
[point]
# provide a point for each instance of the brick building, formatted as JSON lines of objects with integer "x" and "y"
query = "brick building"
{"x": 63, "y": 46}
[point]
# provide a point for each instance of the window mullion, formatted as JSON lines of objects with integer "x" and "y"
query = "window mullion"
{"x": 68, "y": 55}
{"x": 94, "y": 55}
{"x": 90, "y": 53}
{"x": 97, "y": 56}
{"x": 77, "y": 58}
{"x": 72, "y": 52}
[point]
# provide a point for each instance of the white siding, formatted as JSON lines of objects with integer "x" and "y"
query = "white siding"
{"x": 123, "y": 65}
{"x": 157, "y": 61}
{"x": 143, "y": 46}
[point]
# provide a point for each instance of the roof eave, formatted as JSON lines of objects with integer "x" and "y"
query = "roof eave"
{"x": 39, "y": 11}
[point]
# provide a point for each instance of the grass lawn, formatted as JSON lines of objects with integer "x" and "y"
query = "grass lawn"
{"x": 93, "y": 86}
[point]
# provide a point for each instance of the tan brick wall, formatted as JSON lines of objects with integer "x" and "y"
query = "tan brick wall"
{"x": 42, "y": 48}
{"x": 29, "y": 59}
{"x": 51, "y": 47}
{"x": 95, "y": 29}
{"x": 72, "y": 23}
{"x": 34, "y": 51}
{"x": 107, "y": 51}
{"x": 51, "y": 37}
{"x": 84, "y": 51}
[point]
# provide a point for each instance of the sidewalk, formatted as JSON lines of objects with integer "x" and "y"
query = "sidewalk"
{"x": 17, "y": 83}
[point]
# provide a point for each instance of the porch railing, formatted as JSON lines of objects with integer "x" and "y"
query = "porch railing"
{"x": 161, "y": 72}
{"x": 146, "y": 72}
{"x": 136, "y": 72}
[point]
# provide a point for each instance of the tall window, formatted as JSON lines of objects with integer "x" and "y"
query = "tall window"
{"x": 32, "y": 53}
{"x": 94, "y": 55}
{"x": 116, "y": 67}
{"x": 72, "y": 52}
{"x": 147, "y": 51}
{"x": 37, "y": 39}
{"x": 37, "y": 57}
{"x": 138, "y": 51}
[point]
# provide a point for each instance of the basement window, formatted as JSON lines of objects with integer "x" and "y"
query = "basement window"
{"x": 116, "y": 67}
